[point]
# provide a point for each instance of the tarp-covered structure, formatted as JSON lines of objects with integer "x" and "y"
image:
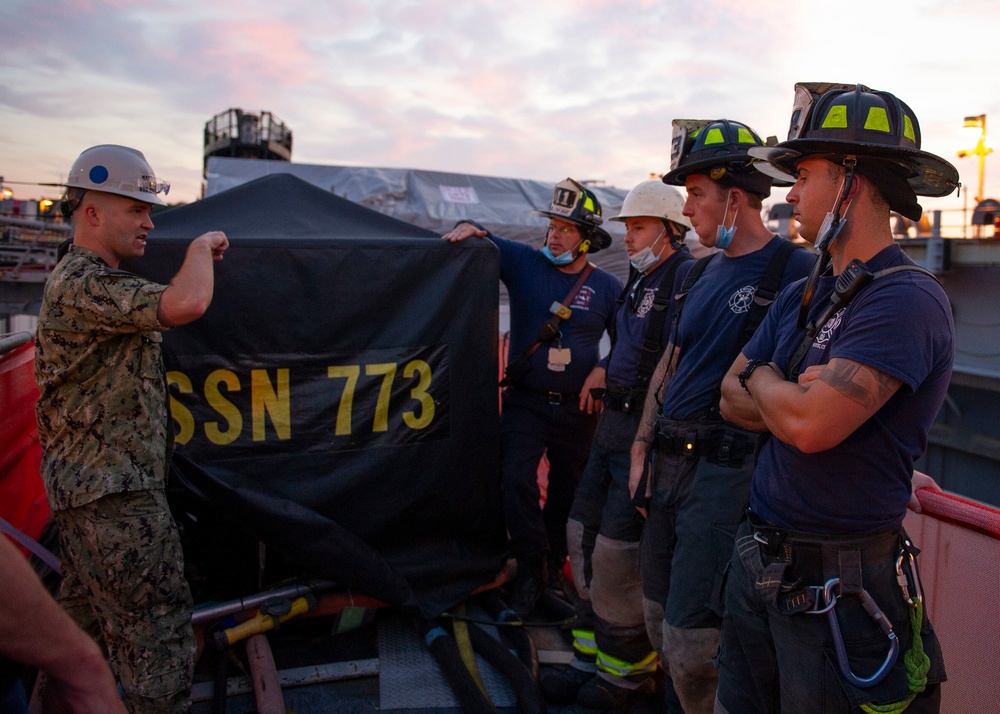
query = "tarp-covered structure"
{"x": 436, "y": 200}
{"x": 338, "y": 401}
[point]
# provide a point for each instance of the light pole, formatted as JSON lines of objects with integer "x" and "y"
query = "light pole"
{"x": 981, "y": 150}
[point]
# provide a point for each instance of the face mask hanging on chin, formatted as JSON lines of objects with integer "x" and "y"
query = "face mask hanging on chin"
{"x": 723, "y": 235}
{"x": 646, "y": 258}
{"x": 831, "y": 226}
{"x": 558, "y": 260}
{"x": 828, "y": 230}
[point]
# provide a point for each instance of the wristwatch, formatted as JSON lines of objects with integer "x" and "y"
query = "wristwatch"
{"x": 751, "y": 365}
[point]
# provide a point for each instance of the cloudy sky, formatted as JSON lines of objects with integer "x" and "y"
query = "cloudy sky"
{"x": 541, "y": 90}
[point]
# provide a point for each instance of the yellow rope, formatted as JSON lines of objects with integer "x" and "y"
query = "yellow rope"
{"x": 917, "y": 665}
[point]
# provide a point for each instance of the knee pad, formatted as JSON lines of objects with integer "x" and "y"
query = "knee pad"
{"x": 616, "y": 586}
{"x": 574, "y": 544}
{"x": 653, "y": 613}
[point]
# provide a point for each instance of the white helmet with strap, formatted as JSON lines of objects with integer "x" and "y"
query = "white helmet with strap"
{"x": 117, "y": 169}
{"x": 656, "y": 199}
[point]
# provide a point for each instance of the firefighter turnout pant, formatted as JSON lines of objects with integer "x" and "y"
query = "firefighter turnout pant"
{"x": 603, "y": 534}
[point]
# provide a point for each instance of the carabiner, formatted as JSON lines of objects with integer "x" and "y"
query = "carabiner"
{"x": 829, "y": 597}
{"x": 883, "y": 622}
{"x": 905, "y": 579}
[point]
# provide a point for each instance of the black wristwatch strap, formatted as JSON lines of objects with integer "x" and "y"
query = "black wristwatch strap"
{"x": 748, "y": 369}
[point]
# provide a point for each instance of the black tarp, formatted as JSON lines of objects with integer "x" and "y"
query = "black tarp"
{"x": 338, "y": 400}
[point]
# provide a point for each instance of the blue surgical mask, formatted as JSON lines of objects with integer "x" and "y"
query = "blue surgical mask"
{"x": 564, "y": 259}
{"x": 723, "y": 235}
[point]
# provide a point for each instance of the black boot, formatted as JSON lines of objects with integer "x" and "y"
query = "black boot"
{"x": 560, "y": 683}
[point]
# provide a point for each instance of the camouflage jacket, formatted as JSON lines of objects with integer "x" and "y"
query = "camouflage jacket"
{"x": 102, "y": 409}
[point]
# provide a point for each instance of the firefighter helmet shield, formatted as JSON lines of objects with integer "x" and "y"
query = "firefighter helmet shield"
{"x": 573, "y": 202}
{"x": 117, "y": 169}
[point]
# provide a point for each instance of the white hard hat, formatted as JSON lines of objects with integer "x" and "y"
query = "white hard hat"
{"x": 117, "y": 169}
{"x": 654, "y": 199}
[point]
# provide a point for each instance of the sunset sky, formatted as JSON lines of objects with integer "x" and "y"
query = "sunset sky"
{"x": 539, "y": 90}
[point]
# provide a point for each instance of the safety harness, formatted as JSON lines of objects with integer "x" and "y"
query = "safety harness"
{"x": 782, "y": 549}
{"x": 632, "y": 398}
{"x": 791, "y": 598}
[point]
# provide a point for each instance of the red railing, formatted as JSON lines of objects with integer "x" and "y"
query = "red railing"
{"x": 959, "y": 561}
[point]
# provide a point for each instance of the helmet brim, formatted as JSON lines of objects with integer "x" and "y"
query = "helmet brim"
{"x": 600, "y": 238}
{"x": 744, "y": 178}
{"x": 927, "y": 174}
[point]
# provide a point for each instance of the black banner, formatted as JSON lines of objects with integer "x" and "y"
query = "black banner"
{"x": 341, "y": 389}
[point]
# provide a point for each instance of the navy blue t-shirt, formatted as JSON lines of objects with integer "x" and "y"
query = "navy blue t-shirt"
{"x": 632, "y": 321}
{"x": 712, "y": 316}
{"x": 901, "y": 325}
{"x": 533, "y": 284}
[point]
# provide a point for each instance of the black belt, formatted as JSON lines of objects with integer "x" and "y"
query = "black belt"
{"x": 623, "y": 400}
{"x": 716, "y": 441}
{"x": 781, "y": 545}
{"x": 550, "y": 397}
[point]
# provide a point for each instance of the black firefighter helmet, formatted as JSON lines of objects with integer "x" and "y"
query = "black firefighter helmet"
{"x": 875, "y": 129}
{"x": 574, "y": 202}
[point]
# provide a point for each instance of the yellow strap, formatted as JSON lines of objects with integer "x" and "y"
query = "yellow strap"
{"x": 461, "y": 629}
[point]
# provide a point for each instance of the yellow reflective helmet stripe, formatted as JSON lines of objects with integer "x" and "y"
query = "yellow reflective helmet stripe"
{"x": 877, "y": 120}
{"x": 908, "y": 129}
{"x": 836, "y": 118}
{"x": 714, "y": 136}
{"x": 744, "y": 136}
{"x": 588, "y": 203}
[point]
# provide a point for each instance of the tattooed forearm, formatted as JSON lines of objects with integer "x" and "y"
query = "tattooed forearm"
{"x": 863, "y": 385}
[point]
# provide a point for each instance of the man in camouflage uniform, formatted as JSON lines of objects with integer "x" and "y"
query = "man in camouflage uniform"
{"x": 104, "y": 426}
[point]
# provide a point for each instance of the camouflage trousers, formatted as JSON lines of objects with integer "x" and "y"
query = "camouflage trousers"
{"x": 124, "y": 584}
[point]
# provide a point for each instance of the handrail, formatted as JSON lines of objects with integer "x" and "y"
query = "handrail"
{"x": 960, "y": 511}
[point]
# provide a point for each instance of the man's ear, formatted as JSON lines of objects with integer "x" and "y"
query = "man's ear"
{"x": 92, "y": 214}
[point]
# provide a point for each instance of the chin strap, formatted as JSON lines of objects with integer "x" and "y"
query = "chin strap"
{"x": 825, "y": 241}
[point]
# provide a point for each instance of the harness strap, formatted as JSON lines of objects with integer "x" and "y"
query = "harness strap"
{"x": 837, "y": 303}
{"x": 653, "y": 342}
{"x": 519, "y": 366}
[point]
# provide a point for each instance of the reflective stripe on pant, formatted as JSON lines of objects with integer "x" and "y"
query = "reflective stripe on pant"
{"x": 604, "y": 531}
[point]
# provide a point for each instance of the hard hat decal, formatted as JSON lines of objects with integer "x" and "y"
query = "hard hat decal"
{"x": 877, "y": 120}
{"x": 714, "y": 136}
{"x": 744, "y": 136}
{"x": 836, "y": 118}
{"x": 98, "y": 174}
